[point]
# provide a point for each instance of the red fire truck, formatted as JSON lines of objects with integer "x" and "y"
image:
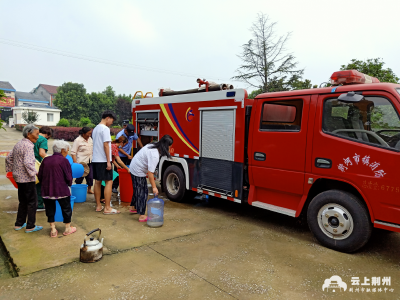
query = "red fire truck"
{"x": 331, "y": 154}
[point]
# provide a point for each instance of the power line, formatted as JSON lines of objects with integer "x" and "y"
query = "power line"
{"x": 100, "y": 60}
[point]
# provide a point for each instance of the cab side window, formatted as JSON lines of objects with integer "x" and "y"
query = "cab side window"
{"x": 281, "y": 115}
{"x": 373, "y": 120}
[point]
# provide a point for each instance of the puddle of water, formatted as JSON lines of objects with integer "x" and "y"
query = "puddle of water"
{"x": 7, "y": 187}
{"x": 8, "y": 197}
{"x": 10, "y": 212}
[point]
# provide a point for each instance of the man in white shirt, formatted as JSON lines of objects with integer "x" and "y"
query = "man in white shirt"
{"x": 101, "y": 161}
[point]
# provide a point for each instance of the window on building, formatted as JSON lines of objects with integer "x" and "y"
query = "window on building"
{"x": 373, "y": 120}
{"x": 282, "y": 115}
{"x": 50, "y": 117}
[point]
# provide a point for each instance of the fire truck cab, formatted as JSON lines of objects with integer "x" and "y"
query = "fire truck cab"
{"x": 330, "y": 154}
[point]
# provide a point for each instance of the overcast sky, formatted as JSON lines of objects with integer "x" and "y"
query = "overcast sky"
{"x": 171, "y": 43}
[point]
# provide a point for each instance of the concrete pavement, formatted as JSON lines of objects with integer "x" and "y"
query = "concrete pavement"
{"x": 214, "y": 250}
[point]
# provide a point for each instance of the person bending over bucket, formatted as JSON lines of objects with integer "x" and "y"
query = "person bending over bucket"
{"x": 145, "y": 162}
{"x": 55, "y": 174}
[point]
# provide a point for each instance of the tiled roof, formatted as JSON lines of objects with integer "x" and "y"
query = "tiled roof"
{"x": 50, "y": 88}
{"x": 37, "y": 106}
{"x": 30, "y": 96}
{"x": 6, "y": 85}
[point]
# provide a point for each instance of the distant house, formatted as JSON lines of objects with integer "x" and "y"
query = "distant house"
{"x": 47, "y": 91}
{"x": 7, "y": 104}
{"x": 48, "y": 115}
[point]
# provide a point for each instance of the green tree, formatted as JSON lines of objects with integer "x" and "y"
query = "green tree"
{"x": 123, "y": 108}
{"x": 254, "y": 93}
{"x": 266, "y": 64}
{"x": 372, "y": 67}
{"x": 2, "y": 99}
{"x": 30, "y": 116}
{"x": 303, "y": 84}
{"x": 72, "y": 99}
{"x": 101, "y": 102}
{"x": 282, "y": 84}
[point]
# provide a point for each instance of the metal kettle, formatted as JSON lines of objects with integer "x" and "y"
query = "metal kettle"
{"x": 92, "y": 250}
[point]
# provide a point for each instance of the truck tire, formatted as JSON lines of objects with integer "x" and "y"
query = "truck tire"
{"x": 339, "y": 221}
{"x": 174, "y": 184}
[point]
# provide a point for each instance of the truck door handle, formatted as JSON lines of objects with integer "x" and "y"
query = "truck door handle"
{"x": 259, "y": 156}
{"x": 323, "y": 163}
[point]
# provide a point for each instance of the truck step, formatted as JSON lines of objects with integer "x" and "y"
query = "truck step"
{"x": 278, "y": 209}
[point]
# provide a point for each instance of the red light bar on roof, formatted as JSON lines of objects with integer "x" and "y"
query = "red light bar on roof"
{"x": 351, "y": 77}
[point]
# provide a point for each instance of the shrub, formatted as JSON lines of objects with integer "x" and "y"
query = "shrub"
{"x": 91, "y": 125}
{"x": 19, "y": 127}
{"x": 66, "y": 134}
{"x": 71, "y": 133}
{"x": 114, "y": 131}
{"x": 84, "y": 122}
{"x": 63, "y": 122}
{"x": 74, "y": 123}
{"x": 116, "y": 126}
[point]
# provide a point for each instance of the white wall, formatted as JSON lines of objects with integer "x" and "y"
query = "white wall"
{"x": 42, "y": 116}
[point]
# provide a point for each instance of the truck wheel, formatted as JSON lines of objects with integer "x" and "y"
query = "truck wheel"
{"x": 174, "y": 184}
{"x": 339, "y": 221}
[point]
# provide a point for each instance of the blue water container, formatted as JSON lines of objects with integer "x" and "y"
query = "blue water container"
{"x": 155, "y": 212}
{"x": 79, "y": 191}
{"x": 58, "y": 217}
{"x": 77, "y": 170}
{"x": 69, "y": 159}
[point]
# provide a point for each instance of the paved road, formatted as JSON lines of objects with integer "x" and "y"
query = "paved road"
{"x": 214, "y": 250}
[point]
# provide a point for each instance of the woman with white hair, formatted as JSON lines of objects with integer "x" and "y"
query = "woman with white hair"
{"x": 55, "y": 175}
{"x": 21, "y": 162}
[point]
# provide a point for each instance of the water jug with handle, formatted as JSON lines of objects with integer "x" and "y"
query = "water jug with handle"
{"x": 155, "y": 212}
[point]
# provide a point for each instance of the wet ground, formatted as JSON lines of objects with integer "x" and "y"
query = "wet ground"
{"x": 205, "y": 250}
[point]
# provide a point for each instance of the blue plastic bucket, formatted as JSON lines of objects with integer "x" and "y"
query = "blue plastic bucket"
{"x": 80, "y": 192}
{"x": 77, "y": 170}
{"x": 58, "y": 217}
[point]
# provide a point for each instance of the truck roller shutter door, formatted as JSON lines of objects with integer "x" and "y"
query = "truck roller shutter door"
{"x": 217, "y": 150}
{"x": 218, "y": 128}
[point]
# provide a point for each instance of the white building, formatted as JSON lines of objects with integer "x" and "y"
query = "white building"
{"x": 48, "y": 115}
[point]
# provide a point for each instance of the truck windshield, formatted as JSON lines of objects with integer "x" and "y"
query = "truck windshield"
{"x": 373, "y": 120}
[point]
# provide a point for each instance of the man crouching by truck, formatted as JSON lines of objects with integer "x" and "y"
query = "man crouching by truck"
{"x": 102, "y": 161}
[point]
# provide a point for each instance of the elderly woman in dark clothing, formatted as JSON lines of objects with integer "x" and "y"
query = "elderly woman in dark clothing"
{"x": 55, "y": 174}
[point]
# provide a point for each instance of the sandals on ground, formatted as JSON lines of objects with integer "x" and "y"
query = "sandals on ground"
{"x": 73, "y": 230}
{"x": 112, "y": 212}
